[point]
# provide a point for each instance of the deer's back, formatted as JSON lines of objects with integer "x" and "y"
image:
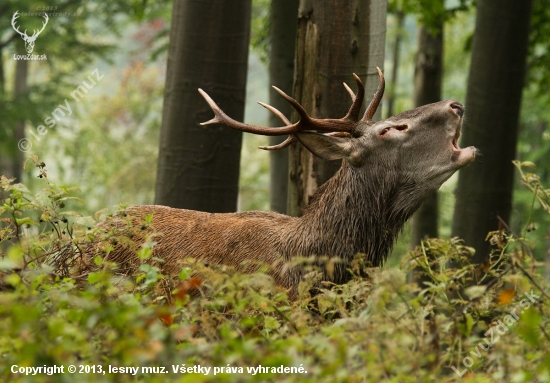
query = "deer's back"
{"x": 213, "y": 238}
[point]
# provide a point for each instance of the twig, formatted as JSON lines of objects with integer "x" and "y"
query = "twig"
{"x": 533, "y": 281}
{"x": 544, "y": 332}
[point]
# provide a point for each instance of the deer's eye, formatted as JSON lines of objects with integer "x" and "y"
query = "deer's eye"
{"x": 399, "y": 128}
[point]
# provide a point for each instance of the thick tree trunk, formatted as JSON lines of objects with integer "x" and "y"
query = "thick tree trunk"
{"x": 3, "y": 151}
{"x": 20, "y": 93}
{"x": 428, "y": 74}
{"x": 2, "y": 76}
{"x": 392, "y": 83}
{"x": 11, "y": 159}
{"x": 334, "y": 40}
{"x": 198, "y": 166}
{"x": 281, "y": 74}
{"x": 492, "y": 111}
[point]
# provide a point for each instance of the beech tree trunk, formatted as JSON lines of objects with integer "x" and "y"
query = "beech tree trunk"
{"x": 428, "y": 74}
{"x": 198, "y": 166}
{"x": 281, "y": 74}
{"x": 334, "y": 40}
{"x": 392, "y": 83}
{"x": 11, "y": 158}
{"x": 3, "y": 143}
{"x": 493, "y": 101}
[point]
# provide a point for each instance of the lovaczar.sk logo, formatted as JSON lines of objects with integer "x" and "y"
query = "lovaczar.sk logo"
{"x": 29, "y": 40}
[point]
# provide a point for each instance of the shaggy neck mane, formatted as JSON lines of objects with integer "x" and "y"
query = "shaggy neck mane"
{"x": 356, "y": 211}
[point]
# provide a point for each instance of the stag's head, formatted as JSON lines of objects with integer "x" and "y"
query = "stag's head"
{"x": 29, "y": 40}
{"x": 419, "y": 145}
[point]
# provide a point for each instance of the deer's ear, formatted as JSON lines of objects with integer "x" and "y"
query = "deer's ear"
{"x": 329, "y": 147}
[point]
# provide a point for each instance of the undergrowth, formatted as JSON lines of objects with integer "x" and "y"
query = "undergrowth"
{"x": 451, "y": 321}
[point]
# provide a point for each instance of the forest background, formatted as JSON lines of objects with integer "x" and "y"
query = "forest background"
{"x": 104, "y": 152}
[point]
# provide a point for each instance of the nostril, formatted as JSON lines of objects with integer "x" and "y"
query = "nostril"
{"x": 457, "y": 108}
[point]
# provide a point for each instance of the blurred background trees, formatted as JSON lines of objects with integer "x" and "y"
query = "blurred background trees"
{"x": 198, "y": 166}
{"x": 493, "y": 99}
{"x": 109, "y": 146}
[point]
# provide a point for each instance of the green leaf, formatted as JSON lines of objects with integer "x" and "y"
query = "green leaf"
{"x": 96, "y": 277}
{"x": 271, "y": 323}
{"x": 185, "y": 273}
{"x": 24, "y": 221}
{"x": 528, "y": 164}
{"x": 13, "y": 279}
{"x": 529, "y": 327}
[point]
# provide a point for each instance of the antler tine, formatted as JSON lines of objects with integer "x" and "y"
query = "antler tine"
{"x": 276, "y": 112}
{"x": 353, "y": 112}
{"x": 351, "y": 94}
{"x": 222, "y": 118}
{"x": 345, "y": 124}
{"x": 371, "y": 109}
{"x": 291, "y": 137}
{"x": 296, "y": 105}
{"x": 289, "y": 140}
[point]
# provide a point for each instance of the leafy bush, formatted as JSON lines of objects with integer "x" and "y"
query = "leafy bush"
{"x": 478, "y": 322}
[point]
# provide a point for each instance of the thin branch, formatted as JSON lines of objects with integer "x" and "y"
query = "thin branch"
{"x": 533, "y": 281}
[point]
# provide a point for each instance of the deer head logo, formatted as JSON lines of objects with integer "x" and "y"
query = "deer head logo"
{"x": 29, "y": 40}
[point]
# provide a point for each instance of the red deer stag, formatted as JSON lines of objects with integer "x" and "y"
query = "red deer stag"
{"x": 388, "y": 167}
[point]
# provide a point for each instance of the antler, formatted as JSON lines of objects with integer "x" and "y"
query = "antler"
{"x": 371, "y": 109}
{"x": 338, "y": 127}
{"x": 377, "y": 97}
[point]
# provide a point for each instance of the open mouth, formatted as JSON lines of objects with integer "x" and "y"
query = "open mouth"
{"x": 461, "y": 157}
{"x": 456, "y": 148}
{"x": 457, "y": 109}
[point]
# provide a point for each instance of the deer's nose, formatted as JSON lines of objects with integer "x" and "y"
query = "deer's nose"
{"x": 458, "y": 108}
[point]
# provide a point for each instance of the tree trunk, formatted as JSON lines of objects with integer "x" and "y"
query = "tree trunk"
{"x": 198, "y": 166}
{"x": 11, "y": 159}
{"x": 493, "y": 101}
{"x": 392, "y": 83}
{"x": 2, "y": 76}
{"x": 3, "y": 151}
{"x": 281, "y": 74}
{"x": 334, "y": 40}
{"x": 428, "y": 74}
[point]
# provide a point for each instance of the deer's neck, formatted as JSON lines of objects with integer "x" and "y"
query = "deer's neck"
{"x": 357, "y": 211}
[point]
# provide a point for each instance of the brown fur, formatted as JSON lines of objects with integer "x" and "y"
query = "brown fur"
{"x": 388, "y": 168}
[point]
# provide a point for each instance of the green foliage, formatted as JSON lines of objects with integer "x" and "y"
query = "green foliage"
{"x": 380, "y": 328}
{"x": 539, "y": 47}
{"x": 533, "y": 147}
{"x": 259, "y": 29}
{"x": 431, "y": 13}
{"x": 113, "y": 142}
{"x": 78, "y": 32}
